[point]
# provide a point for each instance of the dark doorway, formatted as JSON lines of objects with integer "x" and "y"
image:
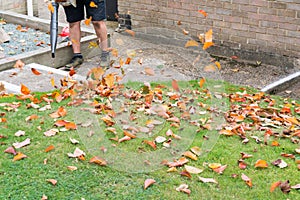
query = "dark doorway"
{"x": 111, "y": 9}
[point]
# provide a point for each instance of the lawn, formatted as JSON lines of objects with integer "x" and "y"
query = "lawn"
{"x": 100, "y": 122}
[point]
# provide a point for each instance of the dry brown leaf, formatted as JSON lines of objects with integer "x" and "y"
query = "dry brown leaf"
{"x": 51, "y": 132}
{"x": 72, "y": 168}
{"x": 18, "y": 145}
{"x": 149, "y": 71}
{"x": 19, "y": 64}
{"x": 201, "y": 82}
{"x": 93, "y": 5}
{"x": 207, "y": 180}
{"x": 191, "y": 43}
{"x": 148, "y": 182}
{"x": 193, "y": 170}
{"x": 20, "y": 133}
{"x": 203, "y": 13}
{"x": 190, "y": 155}
{"x": 50, "y": 7}
{"x": 247, "y": 180}
{"x": 52, "y": 181}
{"x": 97, "y": 160}
{"x": 10, "y": 150}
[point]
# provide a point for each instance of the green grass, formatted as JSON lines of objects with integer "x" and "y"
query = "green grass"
{"x": 27, "y": 178}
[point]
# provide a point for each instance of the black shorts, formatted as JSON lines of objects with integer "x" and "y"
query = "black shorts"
{"x": 75, "y": 14}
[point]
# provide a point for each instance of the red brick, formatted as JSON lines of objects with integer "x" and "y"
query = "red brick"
{"x": 264, "y": 10}
{"x": 288, "y": 26}
{"x": 232, "y": 19}
{"x": 249, "y": 8}
{"x": 250, "y": 21}
{"x": 293, "y": 6}
{"x": 240, "y": 2}
{"x": 239, "y": 26}
{"x": 277, "y": 5}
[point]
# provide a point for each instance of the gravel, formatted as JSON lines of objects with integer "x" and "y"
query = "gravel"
{"x": 22, "y": 39}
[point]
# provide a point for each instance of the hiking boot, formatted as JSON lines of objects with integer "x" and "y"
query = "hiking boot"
{"x": 75, "y": 62}
{"x": 105, "y": 60}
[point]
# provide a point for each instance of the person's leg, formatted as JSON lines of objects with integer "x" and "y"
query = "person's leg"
{"x": 75, "y": 36}
{"x": 101, "y": 32}
{"x": 74, "y": 16}
{"x": 98, "y": 15}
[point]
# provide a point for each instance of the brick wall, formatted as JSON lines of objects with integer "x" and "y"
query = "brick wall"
{"x": 18, "y": 6}
{"x": 270, "y": 26}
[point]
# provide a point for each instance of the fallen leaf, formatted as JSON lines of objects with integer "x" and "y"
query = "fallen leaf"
{"x": 207, "y": 180}
{"x": 77, "y": 153}
{"x": 19, "y": 156}
{"x": 19, "y": 133}
{"x": 280, "y": 163}
{"x": 275, "y": 143}
{"x": 148, "y": 182}
{"x": 285, "y": 187}
{"x": 31, "y": 117}
{"x": 175, "y": 85}
{"x": 25, "y": 90}
{"x": 97, "y": 160}
{"x": 74, "y": 141}
{"x": 245, "y": 155}
{"x": 185, "y": 32}
{"x": 44, "y": 197}
{"x": 10, "y": 150}
{"x": 191, "y": 43}
{"x": 49, "y": 148}
{"x": 207, "y": 45}
{"x": 149, "y": 71}
{"x": 218, "y": 65}
{"x": 18, "y": 145}
{"x": 261, "y": 164}
{"x": 190, "y": 155}
{"x": 35, "y": 71}
{"x": 172, "y": 169}
{"x": 150, "y": 143}
{"x": 247, "y": 180}
{"x": 210, "y": 68}
{"x": 51, "y": 132}
{"x": 72, "y": 168}
{"x": 183, "y": 188}
{"x": 52, "y": 181}
{"x": 186, "y": 174}
{"x": 296, "y": 186}
{"x": 196, "y": 150}
{"x": 274, "y": 186}
{"x": 288, "y": 155}
{"x": 220, "y": 169}
{"x": 242, "y": 164}
{"x": 19, "y": 64}
{"x": 193, "y": 170}
{"x": 214, "y": 165}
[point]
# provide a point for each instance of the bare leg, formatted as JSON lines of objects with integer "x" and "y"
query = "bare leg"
{"x": 75, "y": 36}
{"x": 101, "y": 32}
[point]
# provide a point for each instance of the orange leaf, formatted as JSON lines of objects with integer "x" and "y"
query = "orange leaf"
{"x": 24, "y": 90}
{"x": 208, "y": 36}
{"x": 60, "y": 123}
{"x": 31, "y": 117}
{"x": 203, "y": 13}
{"x": 275, "y": 185}
{"x": 50, "y": 7}
{"x": 72, "y": 71}
{"x": 175, "y": 85}
{"x": 214, "y": 165}
{"x": 191, "y": 43}
{"x": 220, "y": 169}
{"x": 190, "y": 155}
{"x": 97, "y": 160}
{"x": 275, "y": 143}
{"x": 19, "y": 156}
{"x": 93, "y": 5}
{"x": 131, "y": 32}
{"x": 71, "y": 126}
{"x": 49, "y": 148}
{"x": 218, "y": 65}
{"x": 261, "y": 164}
{"x": 207, "y": 45}
{"x": 128, "y": 60}
{"x": 149, "y": 71}
{"x": 150, "y": 143}
{"x": 129, "y": 134}
{"x": 201, "y": 82}
{"x": 109, "y": 80}
{"x": 35, "y": 71}
{"x": 148, "y": 182}
{"x": 186, "y": 173}
{"x": 88, "y": 21}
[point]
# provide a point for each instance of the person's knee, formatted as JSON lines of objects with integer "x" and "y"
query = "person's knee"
{"x": 74, "y": 24}
{"x": 98, "y": 24}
